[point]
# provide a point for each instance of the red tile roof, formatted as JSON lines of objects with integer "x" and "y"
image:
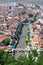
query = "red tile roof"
{"x": 37, "y": 39}
{"x": 36, "y": 31}
{"x": 34, "y": 26}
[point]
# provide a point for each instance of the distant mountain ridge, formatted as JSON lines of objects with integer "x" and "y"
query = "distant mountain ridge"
{"x": 21, "y": 0}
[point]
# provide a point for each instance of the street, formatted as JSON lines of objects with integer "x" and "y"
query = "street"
{"x": 23, "y": 36}
{"x": 21, "y": 41}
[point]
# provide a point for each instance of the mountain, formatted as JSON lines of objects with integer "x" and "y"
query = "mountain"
{"x": 21, "y": 0}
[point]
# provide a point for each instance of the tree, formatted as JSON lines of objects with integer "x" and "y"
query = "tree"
{"x": 22, "y": 60}
{"x": 34, "y": 53}
{"x": 40, "y": 60}
{"x": 30, "y": 15}
{"x": 33, "y": 19}
{"x": 13, "y": 42}
{"x": 41, "y": 53}
{"x": 1, "y": 54}
{"x": 6, "y": 41}
{"x": 10, "y": 59}
{"x": 31, "y": 60}
{"x": 6, "y": 59}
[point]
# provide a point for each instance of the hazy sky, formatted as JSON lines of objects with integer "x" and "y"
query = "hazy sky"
{"x": 23, "y": 0}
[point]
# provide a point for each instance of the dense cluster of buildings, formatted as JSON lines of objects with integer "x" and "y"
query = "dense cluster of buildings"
{"x": 38, "y": 33}
{"x": 11, "y": 15}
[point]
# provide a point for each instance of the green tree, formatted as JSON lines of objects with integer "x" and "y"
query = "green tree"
{"x": 1, "y": 54}
{"x": 30, "y": 15}
{"x": 40, "y": 60}
{"x": 13, "y": 42}
{"x": 33, "y": 19}
{"x": 34, "y": 53}
{"x": 6, "y": 59}
{"x": 31, "y": 60}
{"x": 6, "y": 41}
{"x": 22, "y": 60}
